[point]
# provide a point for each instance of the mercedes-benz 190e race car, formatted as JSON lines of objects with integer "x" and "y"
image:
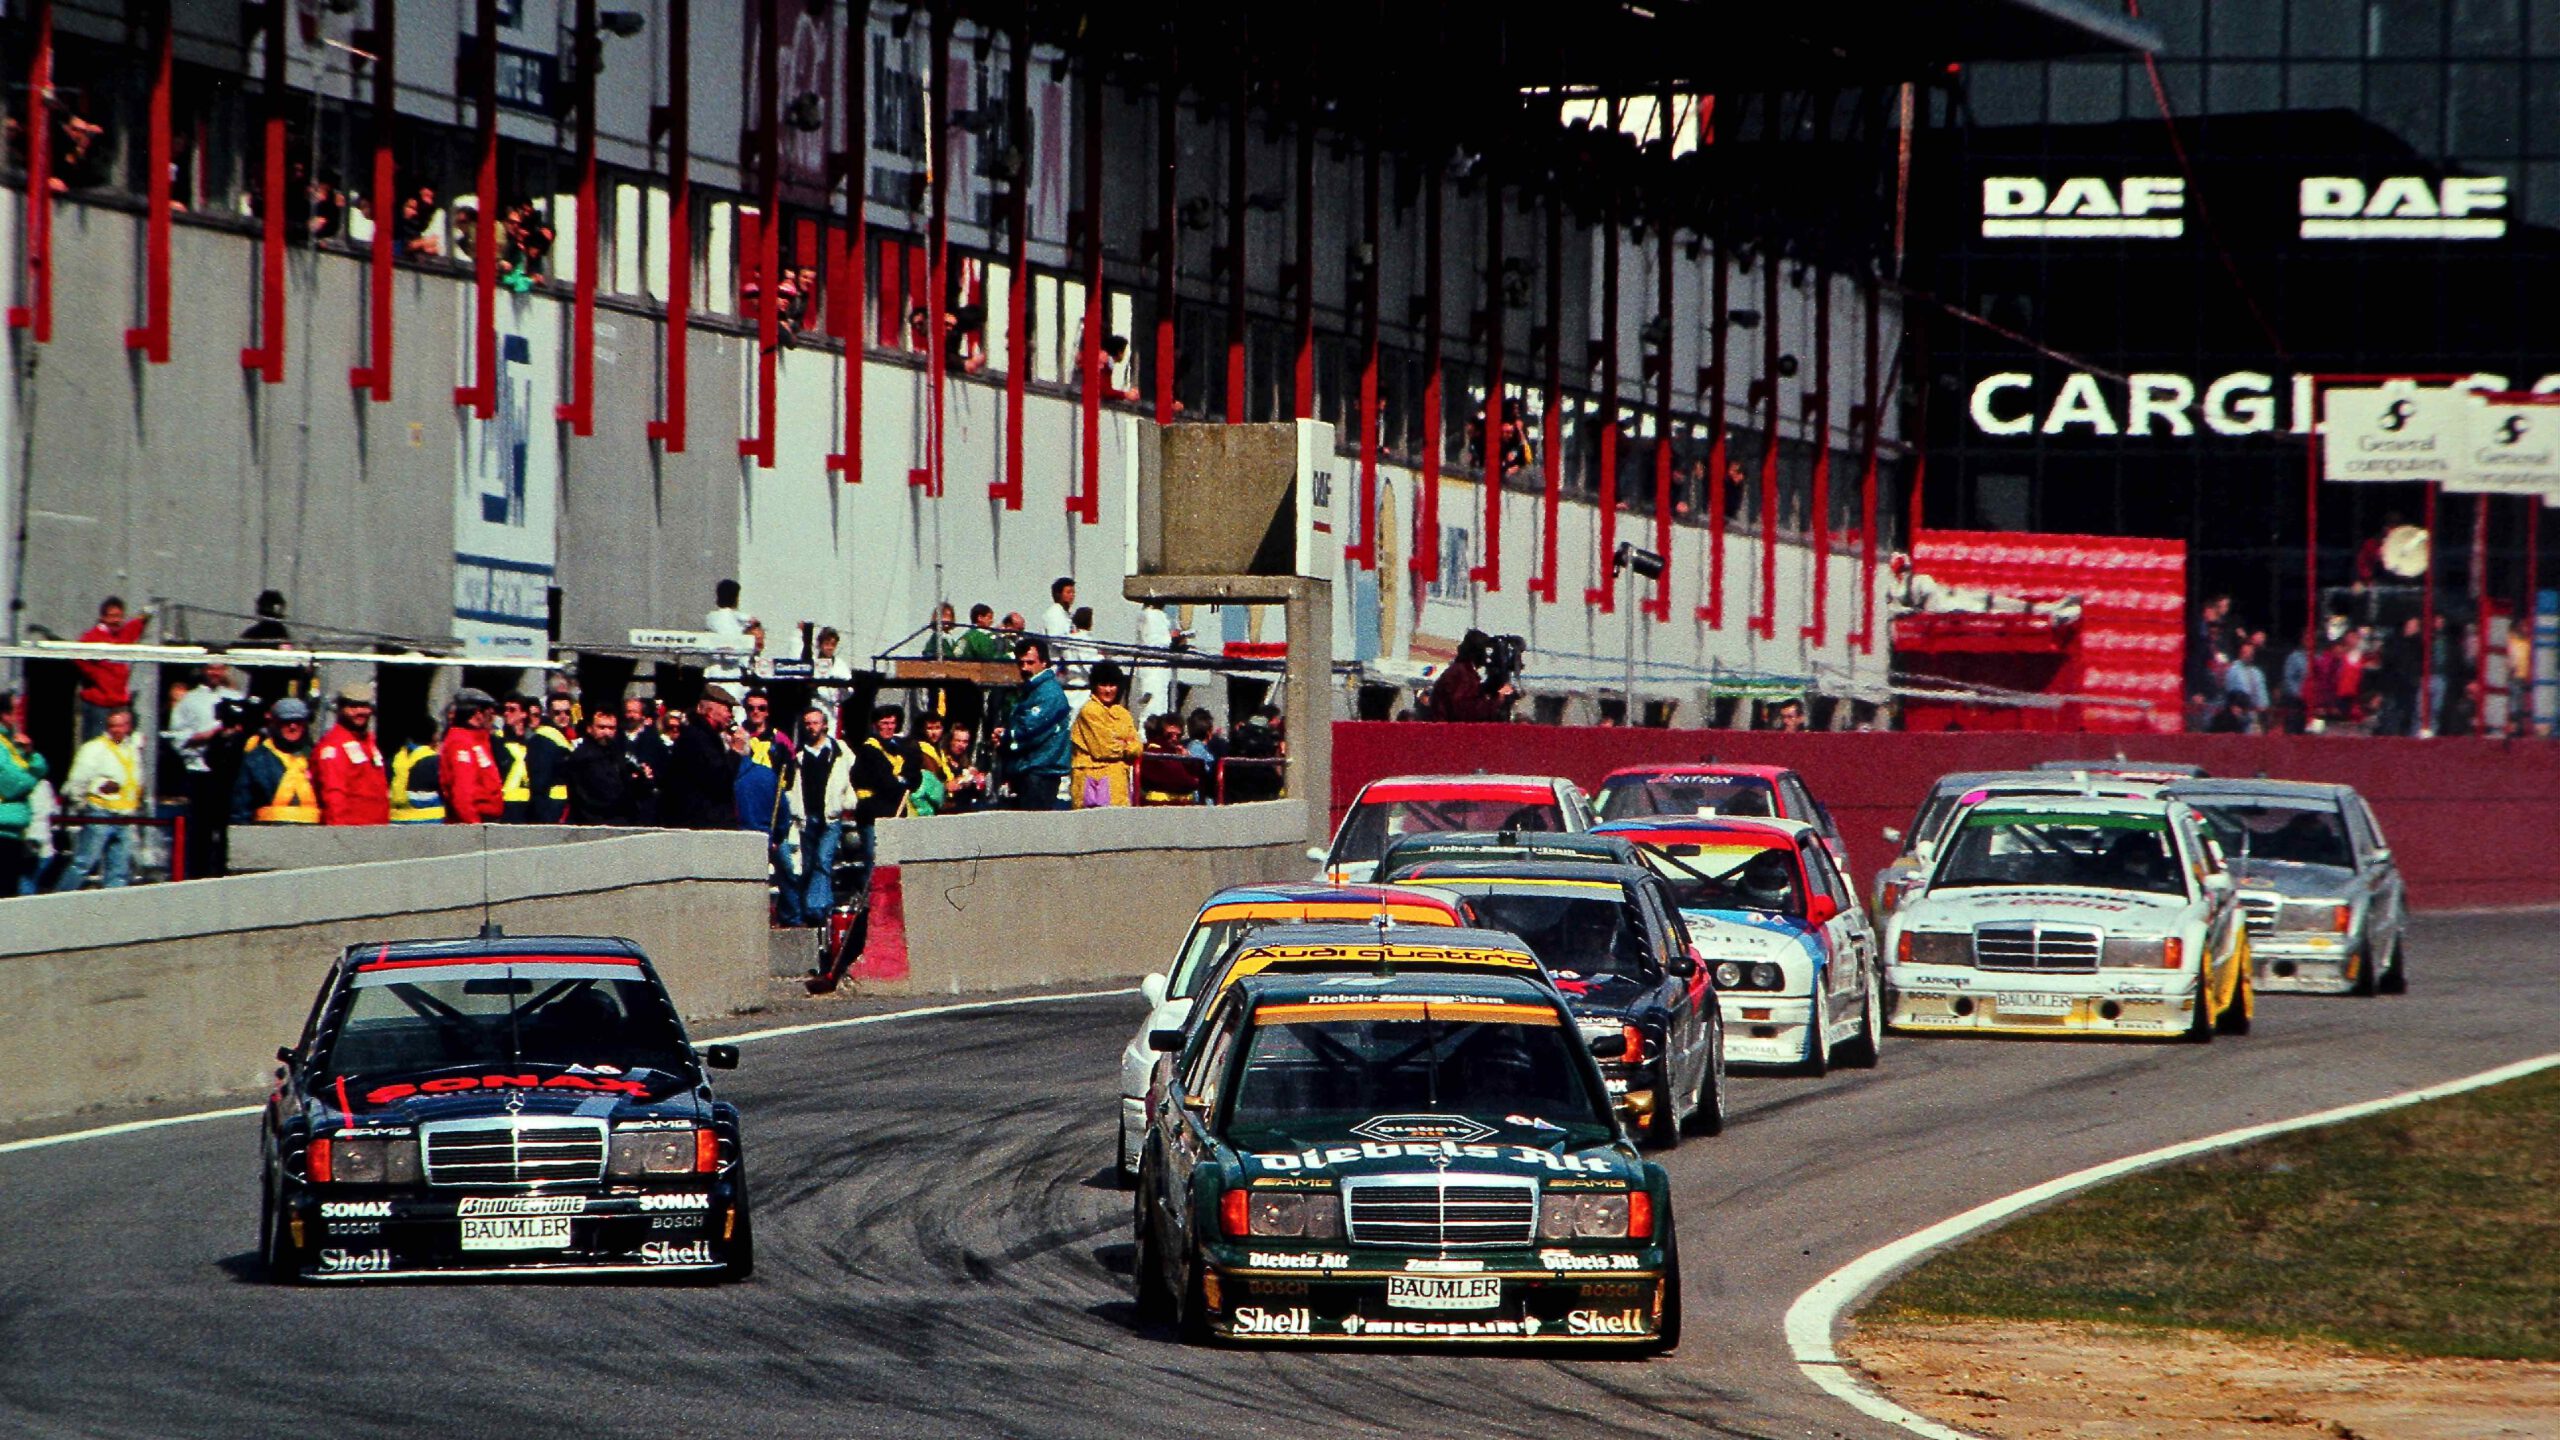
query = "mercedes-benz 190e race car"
{"x": 1401, "y": 1159}
{"x": 1796, "y": 965}
{"x": 503, "y": 1104}
{"x": 2326, "y": 908}
{"x": 2088, "y": 915}
{"x": 1224, "y": 923}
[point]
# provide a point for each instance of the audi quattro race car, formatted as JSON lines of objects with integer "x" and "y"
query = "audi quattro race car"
{"x": 2325, "y": 906}
{"x": 1616, "y": 948}
{"x": 1386, "y": 810}
{"x": 1230, "y": 916}
{"x": 1414, "y": 850}
{"x": 1797, "y": 969}
{"x": 2076, "y": 915}
{"x": 1348, "y": 1159}
{"x": 499, "y": 1105}
{"x": 1713, "y": 788}
{"x": 1949, "y": 795}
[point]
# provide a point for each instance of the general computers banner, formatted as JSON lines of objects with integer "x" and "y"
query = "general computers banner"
{"x": 2133, "y": 599}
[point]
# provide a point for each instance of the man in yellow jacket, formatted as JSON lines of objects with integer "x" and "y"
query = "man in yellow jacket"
{"x": 1105, "y": 742}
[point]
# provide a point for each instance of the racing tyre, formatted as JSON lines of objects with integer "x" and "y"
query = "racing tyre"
{"x": 1125, "y": 1173}
{"x": 2236, "y": 1016}
{"x": 1662, "y": 1128}
{"x": 2367, "y": 982}
{"x": 2395, "y": 980}
{"x": 1667, "y": 1334}
{"x": 1191, "y": 1320}
{"x": 1155, "y": 1305}
{"x": 277, "y": 1254}
{"x": 1863, "y": 1051}
{"x": 1817, "y": 1031}
{"x": 1707, "y": 1117}
{"x": 740, "y": 1262}
{"x": 2200, "y": 1030}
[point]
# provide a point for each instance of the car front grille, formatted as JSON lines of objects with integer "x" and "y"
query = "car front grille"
{"x": 513, "y": 1151}
{"x": 2260, "y": 910}
{"x": 2036, "y": 946}
{"x": 1440, "y": 1212}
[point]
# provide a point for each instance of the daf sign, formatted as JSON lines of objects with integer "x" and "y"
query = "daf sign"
{"x": 2142, "y": 207}
{"x": 2404, "y": 207}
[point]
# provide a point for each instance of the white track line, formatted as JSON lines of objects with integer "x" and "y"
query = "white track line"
{"x": 884, "y": 1017}
{"x": 1816, "y": 1314}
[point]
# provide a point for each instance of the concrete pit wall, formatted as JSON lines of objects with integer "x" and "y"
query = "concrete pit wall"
{"x": 168, "y": 992}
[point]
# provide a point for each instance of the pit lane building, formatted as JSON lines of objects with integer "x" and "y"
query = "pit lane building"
{"x": 861, "y": 304}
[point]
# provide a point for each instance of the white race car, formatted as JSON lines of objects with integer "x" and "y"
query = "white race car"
{"x": 2073, "y": 915}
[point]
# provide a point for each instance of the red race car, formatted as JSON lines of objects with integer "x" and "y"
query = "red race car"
{"x": 1708, "y": 787}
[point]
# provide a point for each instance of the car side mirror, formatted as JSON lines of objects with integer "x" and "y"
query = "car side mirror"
{"x": 1316, "y": 853}
{"x": 285, "y": 1054}
{"x": 1893, "y": 834}
{"x": 1612, "y": 1046}
{"x": 1152, "y": 989}
{"x": 1167, "y": 1041}
{"x": 1684, "y": 964}
{"x": 719, "y": 1057}
{"x": 2381, "y": 854}
{"x": 1821, "y": 910}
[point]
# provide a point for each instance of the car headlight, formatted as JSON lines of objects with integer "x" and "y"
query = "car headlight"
{"x": 2335, "y": 917}
{"x": 663, "y": 1152}
{"x": 1583, "y": 1216}
{"x": 1728, "y": 975}
{"x": 2146, "y": 952}
{"x": 1282, "y": 1214}
{"x": 1934, "y": 947}
{"x": 355, "y": 1160}
{"x": 1749, "y": 975}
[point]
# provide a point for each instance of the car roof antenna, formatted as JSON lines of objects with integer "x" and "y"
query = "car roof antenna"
{"x": 489, "y": 928}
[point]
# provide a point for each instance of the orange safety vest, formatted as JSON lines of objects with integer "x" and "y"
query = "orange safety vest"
{"x": 295, "y": 802}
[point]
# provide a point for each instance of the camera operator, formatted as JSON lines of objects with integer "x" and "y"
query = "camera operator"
{"x": 1462, "y": 693}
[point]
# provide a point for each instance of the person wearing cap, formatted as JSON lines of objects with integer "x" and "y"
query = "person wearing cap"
{"x": 275, "y": 771}
{"x": 1105, "y": 740}
{"x": 698, "y": 790}
{"x": 465, "y": 765}
{"x": 355, "y": 786}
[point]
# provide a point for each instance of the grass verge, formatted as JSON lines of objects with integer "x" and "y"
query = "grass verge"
{"x": 2431, "y": 1230}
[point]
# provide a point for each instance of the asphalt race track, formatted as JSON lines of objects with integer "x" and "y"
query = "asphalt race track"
{"x": 941, "y": 1254}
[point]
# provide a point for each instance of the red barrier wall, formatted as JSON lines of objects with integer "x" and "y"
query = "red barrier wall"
{"x": 2472, "y": 822}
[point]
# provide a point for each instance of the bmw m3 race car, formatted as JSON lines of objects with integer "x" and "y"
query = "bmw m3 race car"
{"x": 1796, "y": 965}
{"x": 1386, "y": 810}
{"x": 2326, "y": 909}
{"x": 1230, "y": 916}
{"x": 1616, "y": 948}
{"x": 1401, "y": 1159}
{"x": 499, "y": 1105}
{"x": 2073, "y": 916}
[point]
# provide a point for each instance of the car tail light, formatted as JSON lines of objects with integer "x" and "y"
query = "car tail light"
{"x": 2342, "y": 918}
{"x": 321, "y": 1169}
{"x": 2173, "y": 953}
{"x": 1234, "y": 1214}
{"x": 706, "y": 1151}
{"x": 1902, "y": 949}
{"x": 1634, "y": 1053}
{"x": 1639, "y": 1215}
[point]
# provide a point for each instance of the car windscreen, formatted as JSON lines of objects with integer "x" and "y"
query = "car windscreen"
{"x": 2305, "y": 832}
{"x": 1576, "y": 935}
{"x": 1729, "y": 873}
{"x": 1745, "y": 795}
{"x": 404, "y": 1026}
{"x": 1368, "y": 828}
{"x": 2093, "y": 849}
{"x": 1315, "y": 1074}
{"x": 1208, "y": 944}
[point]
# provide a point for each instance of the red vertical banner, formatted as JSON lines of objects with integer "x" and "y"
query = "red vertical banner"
{"x": 1424, "y": 562}
{"x": 374, "y": 376}
{"x": 1764, "y": 621}
{"x": 1237, "y": 409}
{"x": 579, "y": 410}
{"x": 1489, "y": 572}
{"x": 760, "y": 246}
{"x": 1017, "y": 290}
{"x": 848, "y": 263}
{"x": 1719, "y": 453}
{"x": 267, "y": 356}
{"x": 1879, "y": 393}
{"x": 486, "y": 233}
{"x": 1085, "y": 502}
{"x": 1551, "y": 421}
{"x": 1658, "y": 605}
{"x": 936, "y": 301}
{"x": 1365, "y": 552}
{"x": 1168, "y": 156}
{"x": 36, "y": 316}
{"x": 1302, "y": 383}
{"x": 1605, "y": 594}
{"x": 151, "y": 337}
{"x": 675, "y": 122}
{"x": 1817, "y": 410}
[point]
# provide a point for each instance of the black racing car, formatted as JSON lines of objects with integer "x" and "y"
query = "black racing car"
{"x": 499, "y": 1105}
{"x": 1402, "y": 856}
{"x": 1614, "y": 943}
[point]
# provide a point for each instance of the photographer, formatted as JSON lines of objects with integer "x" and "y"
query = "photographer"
{"x": 1462, "y": 694}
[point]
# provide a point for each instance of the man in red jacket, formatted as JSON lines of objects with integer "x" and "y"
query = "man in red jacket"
{"x": 465, "y": 765}
{"x": 355, "y": 786}
{"x": 106, "y": 686}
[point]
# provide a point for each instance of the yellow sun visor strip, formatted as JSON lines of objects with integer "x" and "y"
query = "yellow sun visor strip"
{"x": 1362, "y": 957}
{"x": 1400, "y": 913}
{"x": 1469, "y": 1011}
{"x": 1596, "y": 887}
